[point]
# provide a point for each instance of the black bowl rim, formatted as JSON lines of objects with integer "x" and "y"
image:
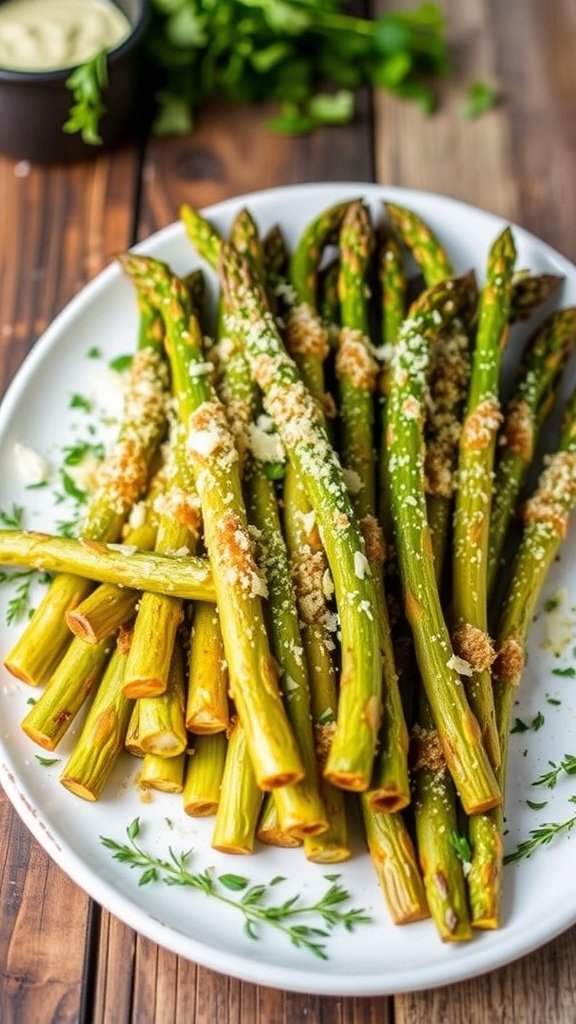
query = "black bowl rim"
{"x": 61, "y": 74}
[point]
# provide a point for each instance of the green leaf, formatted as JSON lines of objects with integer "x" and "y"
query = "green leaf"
{"x": 174, "y": 116}
{"x": 133, "y": 830}
{"x": 331, "y": 108}
{"x": 481, "y": 97}
{"x": 461, "y": 846}
{"x": 80, "y": 402}
{"x": 121, "y": 363}
{"x": 14, "y": 518}
{"x": 94, "y": 353}
{"x": 46, "y": 762}
{"x": 536, "y": 806}
{"x": 565, "y": 673}
{"x": 538, "y": 722}
{"x": 236, "y": 883}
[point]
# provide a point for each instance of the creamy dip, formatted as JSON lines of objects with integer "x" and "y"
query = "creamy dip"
{"x": 46, "y": 35}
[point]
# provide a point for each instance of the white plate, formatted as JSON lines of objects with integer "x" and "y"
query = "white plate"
{"x": 540, "y": 897}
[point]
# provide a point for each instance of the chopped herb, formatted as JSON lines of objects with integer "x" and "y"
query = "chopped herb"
{"x": 46, "y": 761}
{"x": 481, "y": 97}
{"x": 71, "y": 489}
{"x": 538, "y": 722}
{"x": 94, "y": 352}
{"x": 253, "y": 902}
{"x": 566, "y": 673}
{"x": 14, "y": 519}
{"x": 541, "y": 836}
{"x": 553, "y": 701}
{"x": 121, "y": 363}
{"x": 18, "y": 606}
{"x": 535, "y": 806}
{"x": 552, "y": 604}
{"x": 31, "y": 701}
{"x": 75, "y": 454}
{"x": 519, "y": 726}
{"x": 80, "y": 402}
{"x": 461, "y": 846}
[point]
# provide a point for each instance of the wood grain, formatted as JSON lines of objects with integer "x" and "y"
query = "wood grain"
{"x": 59, "y": 226}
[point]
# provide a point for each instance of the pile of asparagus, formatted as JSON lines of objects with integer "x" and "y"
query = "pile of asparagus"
{"x": 297, "y": 537}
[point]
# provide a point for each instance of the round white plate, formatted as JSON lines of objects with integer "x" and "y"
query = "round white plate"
{"x": 540, "y": 896}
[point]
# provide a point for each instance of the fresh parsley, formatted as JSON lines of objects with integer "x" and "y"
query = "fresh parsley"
{"x": 80, "y": 402}
{"x": 461, "y": 846}
{"x": 565, "y": 673}
{"x": 307, "y": 56}
{"x": 121, "y": 363}
{"x": 86, "y": 83}
{"x": 253, "y": 902}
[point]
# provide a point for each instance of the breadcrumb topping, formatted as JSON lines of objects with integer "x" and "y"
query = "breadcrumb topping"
{"x": 305, "y": 333}
{"x": 552, "y": 502}
{"x": 518, "y": 433}
{"x": 373, "y": 539}
{"x": 233, "y": 555}
{"x": 354, "y": 360}
{"x": 426, "y": 750}
{"x": 474, "y": 646}
{"x": 481, "y": 425}
{"x": 510, "y": 661}
{"x": 323, "y": 736}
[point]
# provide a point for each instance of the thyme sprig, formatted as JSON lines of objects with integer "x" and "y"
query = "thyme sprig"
{"x": 19, "y": 604}
{"x": 566, "y": 766}
{"x": 541, "y": 836}
{"x": 252, "y": 901}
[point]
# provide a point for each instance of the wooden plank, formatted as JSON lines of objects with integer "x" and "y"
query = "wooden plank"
{"x": 58, "y": 227}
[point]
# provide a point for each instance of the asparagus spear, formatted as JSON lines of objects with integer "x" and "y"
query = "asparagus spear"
{"x": 157, "y": 723}
{"x": 298, "y": 422}
{"x": 529, "y": 291}
{"x": 298, "y": 808}
{"x": 546, "y": 517}
{"x": 474, "y": 494}
{"x": 394, "y": 858}
{"x": 422, "y": 243}
{"x": 78, "y": 672}
{"x": 189, "y": 577}
{"x": 207, "y": 701}
{"x": 165, "y": 774}
{"x": 457, "y": 727}
{"x": 356, "y": 371}
{"x": 102, "y": 737}
{"x": 527, "y": 410}
{"x": 240, "y": 797}
{"x": 121, "y": 480}
{"x": 237, "y": 579}
{"x": 204, "y": 772}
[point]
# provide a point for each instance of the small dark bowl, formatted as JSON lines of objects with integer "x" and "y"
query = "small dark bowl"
{"x": 34, "y": 105}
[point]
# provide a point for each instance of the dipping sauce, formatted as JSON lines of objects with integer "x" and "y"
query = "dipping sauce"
{"x": 48, "y": 35}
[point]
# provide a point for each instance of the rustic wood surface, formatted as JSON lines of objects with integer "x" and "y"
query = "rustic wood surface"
{"x": 62, "y": 959}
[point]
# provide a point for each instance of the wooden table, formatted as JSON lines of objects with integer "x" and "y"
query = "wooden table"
{"x": 63, "y": 959}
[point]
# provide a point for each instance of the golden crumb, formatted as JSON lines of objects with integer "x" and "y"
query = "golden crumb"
{"x": 518, "y": 434}
{"x": 308, "y": 570}
{"x": 510, "y": 661}
{"x": 555, "y": 495}
{"x": 122, "y": 477}
{"x": 474, "y": 646}
{"x": 373, "y": 539}
{"x": 323, "y": 736}
{"x": 481, "y": 425}
{"x": 233, "y": 553}
{"x": 305, "y": 333}
{"x": 354, "y": 361}
{"x": 329, "y": 407}
{"x": 426, "y": 750}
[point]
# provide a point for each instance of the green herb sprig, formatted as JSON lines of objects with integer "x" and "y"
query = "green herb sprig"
{"x": 86, "y": 84}
{"x": 566, "y": 766}
{"x": 541, "y": 836}
{"x": 252, "y": 901}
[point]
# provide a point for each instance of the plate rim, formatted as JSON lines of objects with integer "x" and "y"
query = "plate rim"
{"x": 105, "y": 892}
